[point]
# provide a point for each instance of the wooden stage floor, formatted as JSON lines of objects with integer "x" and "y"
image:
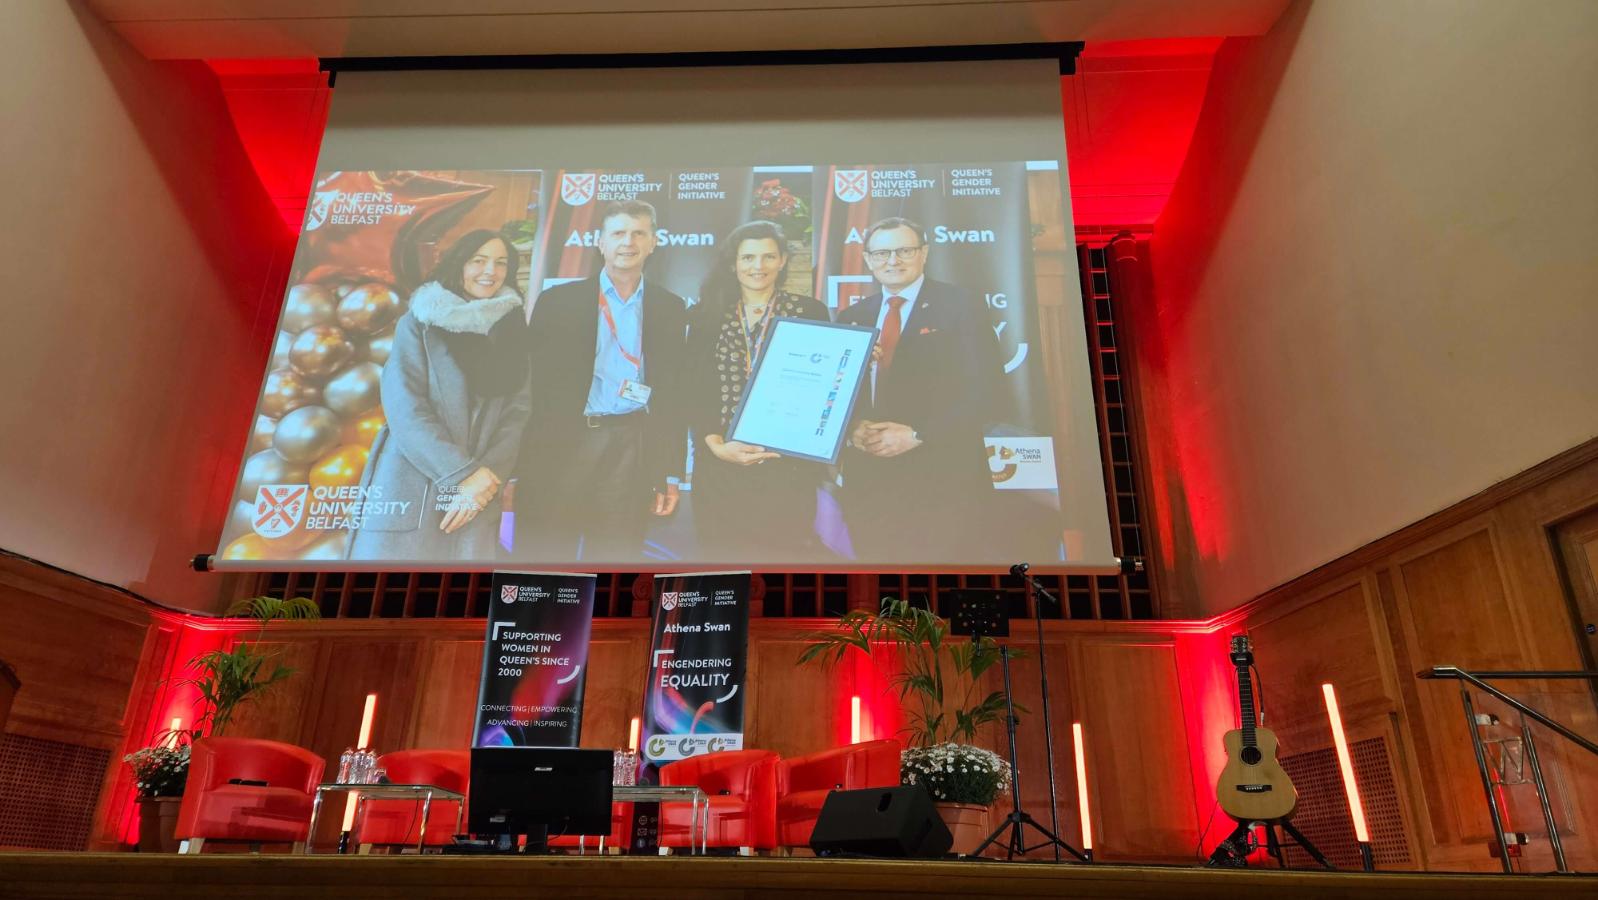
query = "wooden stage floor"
{"x": 245, "y": 876}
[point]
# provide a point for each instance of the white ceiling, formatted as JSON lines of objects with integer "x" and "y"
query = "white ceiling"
{"x": 243, "y": 29}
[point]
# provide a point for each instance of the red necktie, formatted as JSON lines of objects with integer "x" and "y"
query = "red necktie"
{"x": 890, "y": 334}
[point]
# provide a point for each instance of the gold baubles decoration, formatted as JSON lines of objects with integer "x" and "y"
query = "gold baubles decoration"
{"x": 379, "y": 347}
{"x": 249, "y": 546}
{"x": 363, "y": 431}
{"x": 354, "y": 390}
{"x": 369, "y": 308}
{"x": 286, "y": 390}
{"x": 261, "y": 434}
{"x": 341, "y": 468}
{"x": 267, "y": 467}
{"x": 280, "y": 350}
{"x": 307, "y": 433}
{"x": 329, "y": 548}
{"x": 307, "y": 305}
{"x": 320, "y": 350}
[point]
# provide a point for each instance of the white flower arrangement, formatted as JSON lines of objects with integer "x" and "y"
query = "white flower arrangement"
{"x": 956, "y": 773}
{"x": 159, "y": 771}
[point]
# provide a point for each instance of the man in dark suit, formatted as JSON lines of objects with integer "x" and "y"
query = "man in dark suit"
{"x": 604, "y": 435}
{"x": 915, "y": 474}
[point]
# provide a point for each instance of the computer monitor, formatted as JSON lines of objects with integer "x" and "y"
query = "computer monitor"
{"x": 524, "y": 790}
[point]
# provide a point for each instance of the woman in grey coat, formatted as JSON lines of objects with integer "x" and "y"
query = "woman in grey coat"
{"x": 456, "y": 394}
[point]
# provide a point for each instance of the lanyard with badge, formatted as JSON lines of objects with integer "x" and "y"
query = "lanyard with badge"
{"x": 753, "y": 343}
{"x": 636, "y": 391}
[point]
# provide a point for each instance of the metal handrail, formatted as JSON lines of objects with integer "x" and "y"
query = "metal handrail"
{"x": 1479, "y": 680}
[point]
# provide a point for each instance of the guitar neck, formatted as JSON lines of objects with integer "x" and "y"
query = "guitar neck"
{"x": 1245, "y": 700}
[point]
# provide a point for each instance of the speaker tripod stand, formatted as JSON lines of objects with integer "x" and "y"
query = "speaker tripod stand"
{"x": 979, "y": 615}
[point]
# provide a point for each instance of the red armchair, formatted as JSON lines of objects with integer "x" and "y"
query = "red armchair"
{"x": 742, "y": 787}
{"x": 399, "y": 821}
{"x": 804, "y": 782}
{"x": 280, "y": 811}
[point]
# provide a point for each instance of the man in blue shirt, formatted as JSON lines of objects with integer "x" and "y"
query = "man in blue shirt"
{"x": 605, "y": 434}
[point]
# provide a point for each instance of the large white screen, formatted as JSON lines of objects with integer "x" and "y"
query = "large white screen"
{"x": 476, "y": 366}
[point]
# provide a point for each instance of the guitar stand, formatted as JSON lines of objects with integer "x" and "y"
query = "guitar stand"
{"x": 1233, "y": 852}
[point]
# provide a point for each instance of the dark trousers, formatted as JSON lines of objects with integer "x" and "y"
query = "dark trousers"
{"x": 597, "y": 502}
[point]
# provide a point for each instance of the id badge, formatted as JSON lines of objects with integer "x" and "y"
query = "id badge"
{"x": 635, "y": 391}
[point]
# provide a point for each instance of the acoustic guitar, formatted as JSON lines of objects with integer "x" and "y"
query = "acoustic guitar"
{"x": 1252, "y": 787}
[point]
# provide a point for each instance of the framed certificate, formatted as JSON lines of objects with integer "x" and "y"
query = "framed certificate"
{"x": 803, "y": 388}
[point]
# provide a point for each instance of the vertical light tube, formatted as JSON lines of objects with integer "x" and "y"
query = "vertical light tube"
{"x": 1082, "y": 788}
{"x": 854, "y": 719}
{"x": 632, "y": 735}
{"x": 1346, "y": 764}
{"x": 367, "y": 715}
{"x": 172, "y": 732}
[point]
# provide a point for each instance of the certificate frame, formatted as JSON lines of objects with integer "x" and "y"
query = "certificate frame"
{"x": 858, "y": 339}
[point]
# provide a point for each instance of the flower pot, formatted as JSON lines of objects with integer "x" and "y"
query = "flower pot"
{"x": 158, "y": 823}
{"x": 968, "y": 822}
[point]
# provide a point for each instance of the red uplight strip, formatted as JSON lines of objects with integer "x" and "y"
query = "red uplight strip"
{"x": 1346, "y": 764}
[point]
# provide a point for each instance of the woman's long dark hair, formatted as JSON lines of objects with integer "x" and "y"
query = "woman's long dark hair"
{"x": 451, "y": 267}
{"x": 721, "y": 290}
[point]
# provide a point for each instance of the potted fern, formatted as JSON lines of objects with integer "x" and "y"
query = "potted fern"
{"x": 939, "y": 682}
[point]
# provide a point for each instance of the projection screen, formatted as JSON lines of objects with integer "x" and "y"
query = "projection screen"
{"x": 526, "y": 306}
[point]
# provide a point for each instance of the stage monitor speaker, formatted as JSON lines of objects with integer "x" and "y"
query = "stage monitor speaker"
{"x": 888, "y": 821}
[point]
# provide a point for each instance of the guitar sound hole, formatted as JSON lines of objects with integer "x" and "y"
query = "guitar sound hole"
{"x": 1251, "y": 755}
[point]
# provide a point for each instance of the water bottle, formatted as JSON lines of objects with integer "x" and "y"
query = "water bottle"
{"x": 368, "y": 766}
{"x": 345, "y": 763}
{"x": 358, "y": 768}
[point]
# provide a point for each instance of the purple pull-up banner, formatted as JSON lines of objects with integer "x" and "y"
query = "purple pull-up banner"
{"x": 535, "y": 657}
{"x": 694, "y": 701}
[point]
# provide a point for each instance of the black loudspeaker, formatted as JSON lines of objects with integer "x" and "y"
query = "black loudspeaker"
{"x": 889, "y": 821}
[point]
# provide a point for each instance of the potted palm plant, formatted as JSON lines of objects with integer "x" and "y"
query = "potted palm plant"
{"x": 939, "y": 682}
{"x": 228, "y": 679}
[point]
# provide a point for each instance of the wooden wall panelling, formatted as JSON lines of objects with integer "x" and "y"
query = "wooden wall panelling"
{"x": 792, "y": 709}
{"x": 1129, "y": 694}
{"x": 1337, "y": 634}
{"x": 1328, "y": 637}
{"x": 1031, "y": 747}
{"x": 618, "y": 661}
{"x": 282, "y": 712}
{"x": 446, "y": 697}
{"x": 76, "y": 647}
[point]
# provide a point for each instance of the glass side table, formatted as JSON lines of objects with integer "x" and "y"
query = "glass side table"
{"x": 426, "y": 793}
{"x": 699, "y": 819}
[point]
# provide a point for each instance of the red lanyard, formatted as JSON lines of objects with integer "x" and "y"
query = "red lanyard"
{"x": 604, "y": 309}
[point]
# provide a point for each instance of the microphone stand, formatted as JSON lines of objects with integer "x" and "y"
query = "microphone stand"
{"x": 1020, "y": 569}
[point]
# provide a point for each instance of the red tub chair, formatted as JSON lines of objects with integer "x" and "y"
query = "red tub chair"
{"x": 398, "y": 822}
{"x": 742, "y": 787}
{"x": 214, "y": 809}
{"x": 804, "y": 782}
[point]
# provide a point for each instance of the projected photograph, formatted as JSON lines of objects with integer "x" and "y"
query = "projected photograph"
{"x": 545, "y": 367}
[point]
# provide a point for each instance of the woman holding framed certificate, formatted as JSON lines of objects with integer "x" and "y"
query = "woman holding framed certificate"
{"x": 750, "y": 504}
